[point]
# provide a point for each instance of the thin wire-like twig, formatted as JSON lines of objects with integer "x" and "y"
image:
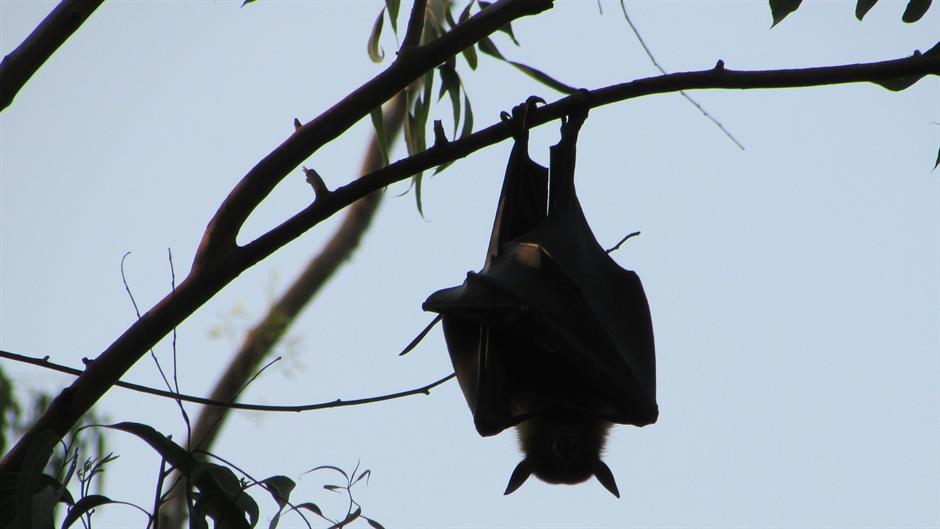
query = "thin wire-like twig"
{"x": 338, "y": 403}
{"x": 617, "y": 246}
{"x": 649, "y": 53}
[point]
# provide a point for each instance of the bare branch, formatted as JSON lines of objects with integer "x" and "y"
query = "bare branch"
{"x": 20, "y": 64}
{"x": 336, "y": 403}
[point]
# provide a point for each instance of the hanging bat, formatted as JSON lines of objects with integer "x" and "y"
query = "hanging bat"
{"x": 552, "y": 336}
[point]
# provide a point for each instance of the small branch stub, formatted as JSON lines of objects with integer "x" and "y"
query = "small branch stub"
{"x": 297, "y": 124}
{"x": 313, "y": 178}
{"x": 440, "y": 138}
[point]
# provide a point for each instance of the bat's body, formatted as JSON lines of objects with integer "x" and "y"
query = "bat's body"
{"x": 552, "y": 335}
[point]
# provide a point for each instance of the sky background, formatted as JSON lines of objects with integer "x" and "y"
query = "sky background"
{"x": 793, "y": 286}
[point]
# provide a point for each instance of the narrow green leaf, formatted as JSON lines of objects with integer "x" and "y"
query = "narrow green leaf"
{"x": 417, "y": 181}
{"x": 863, "y": 7}
{"x": 82, "y": 506}
{"x": 246, "y": 2}
{"x": 373, "y": 523}
{"x": 450, "y": 84}
{"x": 470, "y": 54}
{"x": 486, "y": 46}
{"x": 312, "y": 507}
{"x": 378, "y": 123}
{"x": 544, "y": 78}
{"x": 174, "y": 454}
{"x": 938, "y": 159}
{"x": 467, "y": 119}
{"x": 779, "y": 9}
{"x": 393, "y": 6}
{"x": 915, "y": 10}
{"x": 376, "y": 54}
{"x": 329, "y": 467}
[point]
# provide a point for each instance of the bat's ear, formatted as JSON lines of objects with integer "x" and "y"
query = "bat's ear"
{"x": 605, "y": 476}
{"x": 519, "y": 475}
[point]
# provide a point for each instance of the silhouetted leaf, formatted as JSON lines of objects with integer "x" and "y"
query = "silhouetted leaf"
{"x": 333, "y": 488}
{"x": 392, "y": 6}
{"x": 223, "y": 497}
{"x": 174, "y": 454}
{"x": 364, "y": 474}
{"x": 467, "y": 118}
{"x": 82, "y": 506}
{"x": 450, "y": 84}
{"x": 280, "y": 488}
{"x": 329, "y": 467}
{"x": 938, "y": 159}
{"x": 312, "y": 507}
{"x": 469, "y": 53}
{"x": 544, "y": 78}
{"x": 779, "y": 9}
{"x": 373, "y": 523}
{"x": 378, "y": 123}
{"x": 915, "y": 10}
{"x": 375, "y": 51}
{"x": 486, "y": 46}
{"x": 863, "y": 7}
{"x": 246, "y": 2}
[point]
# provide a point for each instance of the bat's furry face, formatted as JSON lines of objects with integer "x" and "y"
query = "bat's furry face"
{"x": 563, "y": 446}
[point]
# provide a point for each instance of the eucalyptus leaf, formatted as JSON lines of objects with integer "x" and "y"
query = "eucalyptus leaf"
{"x": 378, "y": 123}
{"x": 392, "y": 6}
{"x": 376, "y": 54}
{"x": 915, "y": 10}
{"x": 779, "y": 9}
{"x": 83, "y": 506}
{"x": 544, "y": 78}
{"x": 863, "y": 7}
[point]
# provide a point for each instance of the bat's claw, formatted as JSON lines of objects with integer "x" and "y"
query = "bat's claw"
{"x": 518, "y": 121}
{"x": 580, "y": 105}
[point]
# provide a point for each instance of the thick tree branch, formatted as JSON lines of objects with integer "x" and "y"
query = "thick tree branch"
{"x": 217, "y": 261}
{"x": 20, "y": 64}
{"x": 219, "y": 238}
{"x": 718, "y": 77}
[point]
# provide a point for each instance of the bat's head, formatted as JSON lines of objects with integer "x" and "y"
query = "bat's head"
{"x": 563, "y": 447}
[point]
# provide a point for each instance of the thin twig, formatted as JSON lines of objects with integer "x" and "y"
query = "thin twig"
{"x": 338, "y": 403}
{"x": 616, "y": 247}
{"x": 649, "y": 53}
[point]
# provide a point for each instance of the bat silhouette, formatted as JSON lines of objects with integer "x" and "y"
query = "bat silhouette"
{"x": 551, "y": 336}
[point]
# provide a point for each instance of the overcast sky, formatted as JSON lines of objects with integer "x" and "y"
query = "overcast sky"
{"x": 793, "y": 286}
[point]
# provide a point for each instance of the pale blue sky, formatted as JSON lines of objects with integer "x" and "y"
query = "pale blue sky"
{"x": 793, "y": 286}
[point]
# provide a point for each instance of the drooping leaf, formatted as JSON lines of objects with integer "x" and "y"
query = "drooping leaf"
{"x": 544, "y": 78}
{"x": 469, "y": 53}
{"x": 174, "y": 454}
{"x": 223, "y": 497}
{"x": 82, "y": 506}
{"x": 378, "y": 123}
{"x": 312, "y": 507}
{"x": 465, "y": 131}
{"x": 376, "y": 54}
{"x": 329, "y": 467}
{"x": 938, "y": 159}
{"x": 450, "y": 84}
{"x": 365, "y": 474}
{"x": 373, "y": 523}
{"x": 779, "y": 9}
{"x": 486, "y": 46}
{"x": 246, "y": 2}
{"x": 863, "y": 7}
{"x": 392, "y": 6}
{"x": 915, "y": 10}
{"x": 280, "y": 488}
